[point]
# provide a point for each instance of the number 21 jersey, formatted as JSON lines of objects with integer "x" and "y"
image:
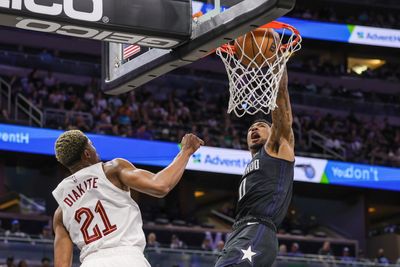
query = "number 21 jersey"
{"x": 97, "y": 214}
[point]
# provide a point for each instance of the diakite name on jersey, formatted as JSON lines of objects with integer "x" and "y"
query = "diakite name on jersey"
{"x": 80, "y": 190}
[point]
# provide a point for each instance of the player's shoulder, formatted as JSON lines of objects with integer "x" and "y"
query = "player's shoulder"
{"x": 116, "y": 165}
{"x": 63, "y": 183}
{"x": 284, "y": 151}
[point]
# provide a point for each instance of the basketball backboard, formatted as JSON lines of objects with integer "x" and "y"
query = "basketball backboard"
{"x": 166, "y": 26}
{"x": 126, "y": 67}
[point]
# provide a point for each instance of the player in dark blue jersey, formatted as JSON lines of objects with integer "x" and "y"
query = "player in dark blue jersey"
{"x": 265, "y": 189}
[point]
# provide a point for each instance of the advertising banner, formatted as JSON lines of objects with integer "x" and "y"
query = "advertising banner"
{"x": 232, "y": 161}
{"x": 41, "y": 141}
{"x": 375, "y": 36}
{"x": 206, "y": 159}
{"x": 345, "y": 33}
{"x": 360, "y": 175}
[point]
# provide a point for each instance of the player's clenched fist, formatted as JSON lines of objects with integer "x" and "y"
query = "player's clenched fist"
{"x": 191, "y": 143}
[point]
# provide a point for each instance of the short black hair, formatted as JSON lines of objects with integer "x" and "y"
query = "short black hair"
{"x": 260, "y": 120}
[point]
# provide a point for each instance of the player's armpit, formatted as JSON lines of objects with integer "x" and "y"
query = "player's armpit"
{"x": 63, "y": 246}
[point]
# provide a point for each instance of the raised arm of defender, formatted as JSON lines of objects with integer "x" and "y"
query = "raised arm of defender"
{"x": 63, "y": 246}
{"x": 281, "y": 140}
{"x": 163, "y": 182}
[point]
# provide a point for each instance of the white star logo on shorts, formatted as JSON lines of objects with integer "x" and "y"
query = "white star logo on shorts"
{"x": 248, "y": 254}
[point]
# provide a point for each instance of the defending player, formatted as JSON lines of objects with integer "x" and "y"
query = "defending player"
{"x": 96, "y": 211}
{"x": 265, "y": 189}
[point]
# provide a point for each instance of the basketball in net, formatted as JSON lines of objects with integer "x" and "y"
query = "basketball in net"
{"x": 255, "y": 63}
{"x": 255, "y": 48}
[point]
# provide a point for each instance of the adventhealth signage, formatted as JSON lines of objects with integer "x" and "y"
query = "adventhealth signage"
{"x": 14, "y": 137}
{"x": 345, "y": 33}
{"x": 220, "y": 160}
{"x": 232, "y": 161}
{"x": 375, "y": 36}
{"x": 206, "y": 159}
{"x": 41, "y": 141}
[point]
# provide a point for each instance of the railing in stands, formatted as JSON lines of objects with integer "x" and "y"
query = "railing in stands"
{"x": 60, "y": 116}
{"x": 222, "y": 216}
{"x": 5, "y": 93}
{"x": 28, "y": 109}
{"x": 319, "y": 140}
{"x": 34, "y": 249}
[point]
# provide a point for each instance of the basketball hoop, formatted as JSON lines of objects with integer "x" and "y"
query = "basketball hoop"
{"x": 254, "y": 83}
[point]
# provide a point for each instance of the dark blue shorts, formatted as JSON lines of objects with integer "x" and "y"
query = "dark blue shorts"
{"x": 253, "y": 244}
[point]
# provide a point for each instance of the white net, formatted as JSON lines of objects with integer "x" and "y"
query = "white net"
{"x": 254, "y": 79}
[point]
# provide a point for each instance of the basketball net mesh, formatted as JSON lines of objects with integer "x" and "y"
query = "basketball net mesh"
{"x": 254, "y": 87}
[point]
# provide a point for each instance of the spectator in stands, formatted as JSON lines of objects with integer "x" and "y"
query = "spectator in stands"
{"x": 46, "y": 56}
{"x": 282, "y": 250}
{"x": 4, "y": 115}
{"x": 380, "y": 258}
{"x": 144, "y": 133}
{"x": 346, "y": 258}
{"x": 45, "y": 262}
{"x": 146, "y": 116}
{"x": 206, "y": 245}
{"x": 46, "y": 233}
{"x": 295, "y": 250}
{"x": 152, "y": 241}
{"x": 15, "y": 230}
{"x": 176, "y": 243}
{"x": 22, "y": 263}
{"x": 361, "y": 257}
{"x": 325, "y": 250}
{"x": 104, "y": 125}
{"x": 2, "y": 230}
{"x": 220, "y": 246}
{"x": 50, "y": 81}
{"x": 10, "y": 262}
{"x": 33, "y": 79}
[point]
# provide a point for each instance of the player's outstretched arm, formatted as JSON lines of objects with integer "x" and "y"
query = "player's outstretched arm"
{"x": 160, "y": 184}
{"x": 63, "y": 247}
{"x": 282, "y": 120}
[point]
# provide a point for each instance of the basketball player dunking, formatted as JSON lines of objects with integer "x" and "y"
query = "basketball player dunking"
{"x": 96, "y": 211}
{"x": 265, "y": 190}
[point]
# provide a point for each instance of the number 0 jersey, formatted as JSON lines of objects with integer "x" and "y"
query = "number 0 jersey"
{"x": 97, "y": 214}
{"x": 265, "y": 188}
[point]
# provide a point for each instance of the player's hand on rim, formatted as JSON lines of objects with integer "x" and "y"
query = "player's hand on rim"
{"x": 191, "y": 143}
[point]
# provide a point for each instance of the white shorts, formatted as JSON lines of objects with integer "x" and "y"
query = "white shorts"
{"x": 116, "y": 257}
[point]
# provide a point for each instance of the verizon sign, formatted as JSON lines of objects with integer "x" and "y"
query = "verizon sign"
{"x": 101, "y": 20}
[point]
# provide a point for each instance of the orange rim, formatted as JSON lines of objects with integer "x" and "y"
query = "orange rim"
{"x": 227, "y": 48}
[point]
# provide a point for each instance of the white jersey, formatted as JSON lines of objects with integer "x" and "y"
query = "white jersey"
{"x": 97, "y": 214}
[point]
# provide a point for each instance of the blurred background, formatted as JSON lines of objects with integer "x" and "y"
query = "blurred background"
{"x": 345, "y": 96}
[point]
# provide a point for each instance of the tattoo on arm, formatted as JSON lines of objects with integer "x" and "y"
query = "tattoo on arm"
{"x": 282, "y": 116}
